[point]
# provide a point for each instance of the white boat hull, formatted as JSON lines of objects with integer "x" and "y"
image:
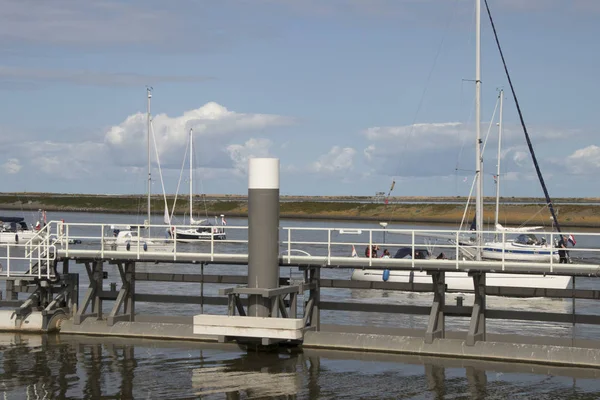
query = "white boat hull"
{"x": 461, "y": 281}
{"x": 516, "y": 252}
{"x": 145, "y": 247}
{"x": 17, "y": 237}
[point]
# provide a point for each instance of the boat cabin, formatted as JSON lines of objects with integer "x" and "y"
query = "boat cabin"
{"x": 528, "y": 239}
{"x": 13, "y": 224}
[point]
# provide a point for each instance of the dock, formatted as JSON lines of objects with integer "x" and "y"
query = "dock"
{"x": 263, "y": 309}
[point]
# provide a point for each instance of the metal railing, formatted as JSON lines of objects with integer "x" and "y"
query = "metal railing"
{"x": 324, "y": 246}
{"x": 22, "y": 260}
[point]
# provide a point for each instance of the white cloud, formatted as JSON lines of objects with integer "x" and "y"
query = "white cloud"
{"x": 241, "y": 153}
{"x": 584, "y": 161}
{"x": 337, "y": 160}
{"x": 520, "y": 157}
{"x": 68, "y": 160}
{"x": 12, "y": 166}
{"x": 213, "y": 125}
{"x": 123, "y": 150}
{"x": 421, "y": 136}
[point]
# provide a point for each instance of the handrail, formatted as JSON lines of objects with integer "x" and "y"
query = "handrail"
{"x": 329, "y": 245}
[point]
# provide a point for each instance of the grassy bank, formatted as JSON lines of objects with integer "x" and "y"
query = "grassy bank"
{"x": 517, "y": 212}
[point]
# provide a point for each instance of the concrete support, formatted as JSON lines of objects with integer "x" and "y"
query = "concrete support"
{"x": 263, "y": 232}
{"x": 312, "y": 317}
{"x": 477, "y": 326}
{"x": 436, "y": 325}
{"x": 126, "y": 297}
{"x": 65, "y": 266}
{"x": 93, "y": 295}
{"x": 11, "y": 294}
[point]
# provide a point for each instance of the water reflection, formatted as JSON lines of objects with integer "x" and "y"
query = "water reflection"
{"x": 37, "y": 367}
{"x": 253, "y": 375}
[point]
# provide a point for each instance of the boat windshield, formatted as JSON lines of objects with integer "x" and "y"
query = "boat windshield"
{"x": 528, "y": 239}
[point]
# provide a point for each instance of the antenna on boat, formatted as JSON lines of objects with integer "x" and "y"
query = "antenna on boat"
{"x": 501, "y": 98}
{"x": 149, "y": 96}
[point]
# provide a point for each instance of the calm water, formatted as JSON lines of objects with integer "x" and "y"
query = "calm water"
{"x": 36, "y": 367}
{"x": 87, "y": 367}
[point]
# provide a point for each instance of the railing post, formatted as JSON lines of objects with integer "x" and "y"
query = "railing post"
{"x": 212, "y": 246}
{"x": 66, "y": 233}
{"x": 139, "y": 241}
{"x": 503, "y": 249}
{"x": 413, "y": 249}
{"x": 8, "y": 260}
{"x": 551, "y": 252}
{"x": 328, "y": 246}
{"x": 457, "y": 249}
{"x": 289, "y": 244}
{"x": 370, "y": 247}
{"x": 174, "y": 239}
{"x": 102, "y": 240}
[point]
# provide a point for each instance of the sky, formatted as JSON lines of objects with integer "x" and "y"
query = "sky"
{"x": 350, "y": 95}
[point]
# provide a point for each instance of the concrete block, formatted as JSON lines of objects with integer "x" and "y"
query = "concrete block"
{"x": 257, "y": 327}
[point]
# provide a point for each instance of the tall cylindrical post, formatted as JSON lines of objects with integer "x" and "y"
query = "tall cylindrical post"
{"x": 263, "y": 231}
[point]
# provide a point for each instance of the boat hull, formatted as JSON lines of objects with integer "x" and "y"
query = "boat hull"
{"x": 18, "y": 237}
{"x": 461, "y": 281}
{"x": 195, "y": 236}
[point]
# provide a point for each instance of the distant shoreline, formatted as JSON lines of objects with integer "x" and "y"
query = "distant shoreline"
{"x": 581, "y": 212}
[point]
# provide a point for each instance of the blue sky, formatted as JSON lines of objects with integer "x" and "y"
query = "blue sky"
{"x": 349, "y": 94}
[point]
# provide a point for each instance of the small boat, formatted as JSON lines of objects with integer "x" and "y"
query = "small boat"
{"x": 204, "y": 231}
{"x": 15, "y": 229}
{"x": 199, "y": 230}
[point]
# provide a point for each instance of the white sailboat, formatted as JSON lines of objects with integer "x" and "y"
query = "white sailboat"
{"x": 459, "y": 280}
{"x": 526, "y": 246}
{"x": 15, "y": 229}
{"x": 133, "y": 238}
{"x": 200, "y": 229}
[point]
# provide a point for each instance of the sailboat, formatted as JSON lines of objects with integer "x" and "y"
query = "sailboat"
{"x": 460, "y": 280}
{"x": 200, "y": 229}
{"x": 15, "y": 229}
{"x": 526, "y": 246}
{"x": 131, "y": 238}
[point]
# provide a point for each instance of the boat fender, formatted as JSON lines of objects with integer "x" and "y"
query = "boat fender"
{"x": 145, "y": 246}
{"x": 386, "y": 275}
{"x": 128, "y": 246}
{"x": 17, "y": 238}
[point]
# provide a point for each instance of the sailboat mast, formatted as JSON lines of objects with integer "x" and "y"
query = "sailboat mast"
{"x": 499, "y": 154}
{"x": 149, "y": 95}
{"x": 191, "y": 166}
{"x": 478, "y": 157}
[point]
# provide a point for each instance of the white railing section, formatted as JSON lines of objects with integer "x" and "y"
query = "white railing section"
{"x": 100, "y": 239}
{"x": 18, "y": 260}
{"x": 332, "y": 246}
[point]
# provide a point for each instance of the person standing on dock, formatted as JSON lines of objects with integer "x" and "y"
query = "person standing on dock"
{"x": 562, "y": 252}
{"x": 371, "y": 252}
